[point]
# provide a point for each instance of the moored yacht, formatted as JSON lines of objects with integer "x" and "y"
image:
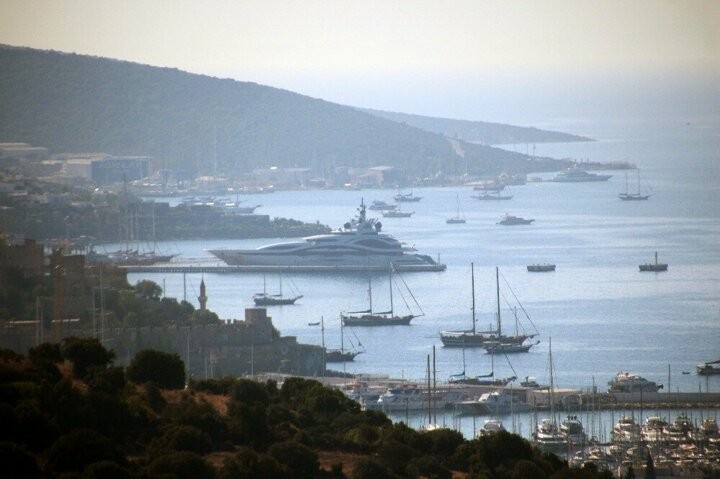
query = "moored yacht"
{"x": 625, "y": 382}
{"x": 358, "y": 246}
{"x": 578, "y": 175}
{"x": 496, "y": 402}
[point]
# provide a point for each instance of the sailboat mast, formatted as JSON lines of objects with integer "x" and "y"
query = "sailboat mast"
{"x": 497, "y": 292}
{"x": 472, "y": 282}
{"x": 552, "y": 384}
{"x": 392, "y": 309}
{"x": 342, "y": 338}
{"x": 370, "y": 293}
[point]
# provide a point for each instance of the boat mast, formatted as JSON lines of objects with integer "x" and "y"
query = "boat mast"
{"x": 552, "y": 385}
{"x": 342, "y": 335}
{"x": 472, "y": 282}
{"x": 497, "y": 287}
{"x": 370, "y": 293}
{"x": 392, "y": 309}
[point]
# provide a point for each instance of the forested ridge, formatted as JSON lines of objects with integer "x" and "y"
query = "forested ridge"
{"x": 74, "y": 103}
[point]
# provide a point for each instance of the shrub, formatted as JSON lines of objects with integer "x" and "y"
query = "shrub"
{"x": 77, "y": 449}
{"x": 181, "y": 465}
{"x": 85, "y": 353}
{"x": 167, "y": 370}
{"x": 300, "y": 459}
{"x": 15, "y": 462}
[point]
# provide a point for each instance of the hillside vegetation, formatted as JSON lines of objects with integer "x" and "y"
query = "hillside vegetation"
{"x": 75, "y": 103}
{"x": 479, "y": 131}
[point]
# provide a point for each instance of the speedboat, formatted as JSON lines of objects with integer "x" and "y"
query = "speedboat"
{"x": 496, "y": 402}
{"x": 510, "y": 220}
{"x": 358, "y": 246}
{"x": 624, "y": 382}
{"x": 577, "y": 175}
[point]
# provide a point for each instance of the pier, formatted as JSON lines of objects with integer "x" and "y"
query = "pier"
{"x": 217, "y": 268}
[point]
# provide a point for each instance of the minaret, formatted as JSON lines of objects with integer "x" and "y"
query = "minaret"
{"x": 203, "y": 297}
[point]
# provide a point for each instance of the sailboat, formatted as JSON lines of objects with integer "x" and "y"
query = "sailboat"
{"x": 627, "y": 196}
{"x": 266, "y": 299}
{"x": 484, "y": 379}
{"x": 337, "y": 355}
{"x": 368, "y": 317}
{"x": 457, "y": 219}
{"x": 547, "y": 436}
{"x": 473, "y": 338}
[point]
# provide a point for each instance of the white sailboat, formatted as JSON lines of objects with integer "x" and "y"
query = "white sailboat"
{"x": 458, "y": 218}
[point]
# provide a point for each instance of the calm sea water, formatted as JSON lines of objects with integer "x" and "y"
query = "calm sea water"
{"x": 602, "y": 314}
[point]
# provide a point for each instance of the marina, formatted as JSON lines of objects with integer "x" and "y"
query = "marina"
{"x": 603, "y": 315}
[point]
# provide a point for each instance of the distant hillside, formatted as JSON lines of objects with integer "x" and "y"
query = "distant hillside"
{"x": 75, "y": 103}
{"x": 479, "y": 131}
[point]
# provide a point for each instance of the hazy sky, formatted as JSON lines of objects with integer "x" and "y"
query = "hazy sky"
{"x": 503, "y": 60}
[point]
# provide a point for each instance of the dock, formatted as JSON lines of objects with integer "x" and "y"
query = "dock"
{"x": 216, "y": 268}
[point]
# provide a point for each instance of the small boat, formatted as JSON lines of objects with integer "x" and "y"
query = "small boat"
{"x": 540, "y": 268}
{"x": 407, "y": 197}
{"x": 379, "y": 205}
{"x": 510, "y": 220}
{"x": 413, "y": 397}
{"x": 626, "y": 429}
{"x": 654, "y": 266}
{"x": 266, "y": 299}
{"x": 458, "y": 218}
{"x": 637, "y": 196}
{"x": 709, "y": 368}
{"x": 625, "y": 382}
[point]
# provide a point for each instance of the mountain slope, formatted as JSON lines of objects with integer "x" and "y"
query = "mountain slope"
{"x": 479, "y": 131}
{"x": 74, "y": 103}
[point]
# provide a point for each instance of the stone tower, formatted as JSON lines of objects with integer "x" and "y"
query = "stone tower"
{"x": 202, "y": 299}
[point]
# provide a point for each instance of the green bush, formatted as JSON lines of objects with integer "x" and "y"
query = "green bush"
{"x": 85, "y": 353}
{"x": 181, "y": 465}
{"x": 79, "y": 448}
{"x": 167, "y": 370}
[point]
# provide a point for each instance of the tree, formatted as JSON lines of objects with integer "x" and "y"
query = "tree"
{"x": 148, "y": 290}
{"x": 85, "y": 353}
{"x": 167, "y": 370}
{"x": 300, "y": 459}
{"x": 181, "y": 465}
{"x": 80, "y": 447}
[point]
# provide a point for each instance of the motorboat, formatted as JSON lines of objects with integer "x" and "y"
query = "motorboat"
{"x": 358, "y": 246}
{"x": 510, "y": 220}
{"x": 578, "y": 175}
{"x": 492, "y": 196}
{"x": 573, "y": 430}
{"x": 495, "y": 402}
{"x": 625, "y": 382}
{"x": 653, "y": 429}
{"x": 541, "y": 268}
{"x": 548, "y": 438}
{"x": 709, "y": 368}
{"x": 626, "y": 430}
{"x": 491, "y": 426}
{"x": 654, "y": 266}
{"x": 407, "y": 197}
{"x": 397, "y": 214}
{"x": 379, "y": 205}
{"x": 409, "y": 397}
